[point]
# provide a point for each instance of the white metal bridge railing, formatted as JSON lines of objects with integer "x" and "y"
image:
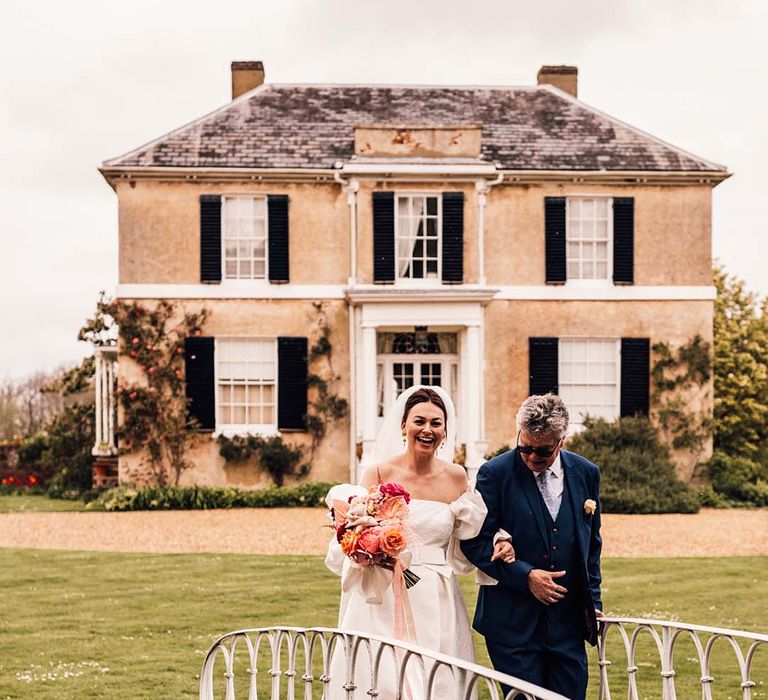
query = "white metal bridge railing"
{"x": 666, "y": 638}
{"x": 300, "y": 661}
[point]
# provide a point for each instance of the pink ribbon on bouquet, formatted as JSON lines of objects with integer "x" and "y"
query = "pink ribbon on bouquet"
{"x": 404, "y": 627}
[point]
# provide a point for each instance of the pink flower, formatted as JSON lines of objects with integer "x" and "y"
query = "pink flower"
{"x": 135, "y": 341}
{"x": 132, "y": 395}
{"x": 393, "y": 490}
{"x": 369, "y": 539}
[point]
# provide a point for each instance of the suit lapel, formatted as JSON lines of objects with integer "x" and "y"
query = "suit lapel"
{"x": 576, "y": 494}
{"x": 528, "y": 485}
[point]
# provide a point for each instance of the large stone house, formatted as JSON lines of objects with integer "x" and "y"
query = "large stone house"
{"x": 498, "y": 241}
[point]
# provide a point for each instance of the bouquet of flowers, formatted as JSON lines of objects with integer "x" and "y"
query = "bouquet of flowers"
{"x": 371, "y": 528}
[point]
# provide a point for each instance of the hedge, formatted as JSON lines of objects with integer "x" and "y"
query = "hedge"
{"x": 123, "y": 498}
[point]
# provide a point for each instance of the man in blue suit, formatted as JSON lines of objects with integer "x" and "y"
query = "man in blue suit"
{"x": 547, "y": 600}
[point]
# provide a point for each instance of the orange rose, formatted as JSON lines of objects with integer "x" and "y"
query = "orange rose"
{"x": 348, "y": 542}
{"x": 392, "y": 541}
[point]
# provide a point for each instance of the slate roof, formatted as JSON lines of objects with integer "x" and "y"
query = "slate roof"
{"x": 312, "y": 126}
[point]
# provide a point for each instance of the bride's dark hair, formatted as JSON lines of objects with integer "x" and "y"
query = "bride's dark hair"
{"x": 424, "y": 396}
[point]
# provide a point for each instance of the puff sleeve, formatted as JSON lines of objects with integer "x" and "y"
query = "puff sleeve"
{"x": 469, "y": 512}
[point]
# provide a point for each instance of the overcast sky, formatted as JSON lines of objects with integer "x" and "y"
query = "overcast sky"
{"x": 81, "y": 82}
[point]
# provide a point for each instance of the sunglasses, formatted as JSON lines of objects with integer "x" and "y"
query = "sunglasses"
{"x": 538, "y": 451}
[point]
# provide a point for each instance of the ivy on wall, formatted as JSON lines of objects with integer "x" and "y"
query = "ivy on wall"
{"x": 155, "y": 417}
{"x": 324, "y": 407}
{"x": 680, "y": 384}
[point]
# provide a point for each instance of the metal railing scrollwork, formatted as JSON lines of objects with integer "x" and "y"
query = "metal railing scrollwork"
{"x": 301, "y": 662}
{"x": 666, "y": 636}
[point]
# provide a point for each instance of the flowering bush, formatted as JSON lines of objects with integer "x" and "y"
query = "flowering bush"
{"x": 19, "y": 483}
{"x": 155, "y": 409}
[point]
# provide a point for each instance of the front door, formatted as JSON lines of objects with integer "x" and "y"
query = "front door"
{"x": 418, "y": 364}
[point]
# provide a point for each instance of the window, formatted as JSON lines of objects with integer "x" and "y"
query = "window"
{"x": 589, "y": 379}
{"x": 245, "y": 237}
{"x": 588, "y": 238}
{"x": 417, "y": 236}
{"x": 246, "y": 381}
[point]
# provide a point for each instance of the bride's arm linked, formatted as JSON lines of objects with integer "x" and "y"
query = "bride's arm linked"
{"x": 479, "y": 549}
{"x": 470, "y": 512}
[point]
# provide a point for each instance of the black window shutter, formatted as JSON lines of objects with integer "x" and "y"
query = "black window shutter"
{"x": 291, "y": 383}
{"x": 542, "y": 366}
{"x": 383, "y": 237}
{"x": 277, "y": 211}
{"x": 200, "y": 389}
{"x": 210, "y": 238}
{"x": 554, "y": 235}
{"x": 453, "y": 237}
{"x": 635, "y": 375}
{"x": 623, "y": 240}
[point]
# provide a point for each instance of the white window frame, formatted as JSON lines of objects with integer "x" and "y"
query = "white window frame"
{"x": 597, "y": 281}
{"x": 576, "y": 425}
{"x": 420, "y": 281}
{"x": 242, "y": 280}
{"x": 233, "y": 429}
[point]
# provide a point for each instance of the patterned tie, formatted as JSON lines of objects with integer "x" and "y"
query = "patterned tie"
{"x": 542, "y": 481}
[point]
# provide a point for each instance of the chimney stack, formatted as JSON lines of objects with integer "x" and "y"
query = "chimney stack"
{"x": 564, "y": 77}
{"x": 246, "y": 75}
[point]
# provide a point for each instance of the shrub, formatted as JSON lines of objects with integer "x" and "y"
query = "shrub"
{"x": 62, "y": 455}
{"x": 739, "y": 478}
{"x": 496, "y": 453}
{"x": 125, "y": 498}
{"x": 637, "y": 472}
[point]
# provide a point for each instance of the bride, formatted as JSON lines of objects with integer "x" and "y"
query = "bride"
{"x": 415, "y": 449}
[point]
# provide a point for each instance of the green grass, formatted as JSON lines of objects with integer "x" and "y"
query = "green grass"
{"x": 107, "y": 625}
{"x": 34, "y": 503}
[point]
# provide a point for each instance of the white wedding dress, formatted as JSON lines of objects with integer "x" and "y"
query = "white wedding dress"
{"x": 439, "y": 612}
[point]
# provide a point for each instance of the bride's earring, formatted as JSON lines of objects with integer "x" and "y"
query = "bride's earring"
{"x": 442, "y": 444}
{"x": 405, "y": 440}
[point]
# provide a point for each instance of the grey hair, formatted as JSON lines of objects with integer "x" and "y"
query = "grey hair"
{"x": 543, "y": 414}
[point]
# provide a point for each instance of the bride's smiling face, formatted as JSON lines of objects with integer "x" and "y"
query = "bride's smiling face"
{"x": 424, "y": 427}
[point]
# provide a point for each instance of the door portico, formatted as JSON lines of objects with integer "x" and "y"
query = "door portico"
{"x": 454, "y": 329}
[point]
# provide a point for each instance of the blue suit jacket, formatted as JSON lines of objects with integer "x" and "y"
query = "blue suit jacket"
{"x": 508, "y": 613}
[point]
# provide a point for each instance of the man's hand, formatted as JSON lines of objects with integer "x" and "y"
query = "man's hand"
{"x": 504, "y": 550}
{"x": 599, "y": 613}
{"x": 542, "y": 586}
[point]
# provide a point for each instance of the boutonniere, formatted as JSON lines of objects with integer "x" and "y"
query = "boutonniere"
{"x": 590, "y": 506}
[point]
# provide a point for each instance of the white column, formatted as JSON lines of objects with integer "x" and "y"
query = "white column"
{"x": 473, "y": 368}
{"x": 352, "y": 189}
{"x": 367, "y": 374}
{"x": 110, "y": 437}
{"x": 97, "y": 406}
{"x": 481, "y": 187}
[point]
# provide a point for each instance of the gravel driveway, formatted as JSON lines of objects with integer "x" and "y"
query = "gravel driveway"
{"x": 301, "y": 531}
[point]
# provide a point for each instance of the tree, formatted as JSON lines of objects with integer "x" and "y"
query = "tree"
{"x": 25, "y": 405}
{"x": 740, "y": 369}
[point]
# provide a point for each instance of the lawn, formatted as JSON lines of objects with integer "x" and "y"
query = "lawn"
{"x": 108, "y": 625}
{"x": 34, "y": 503}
